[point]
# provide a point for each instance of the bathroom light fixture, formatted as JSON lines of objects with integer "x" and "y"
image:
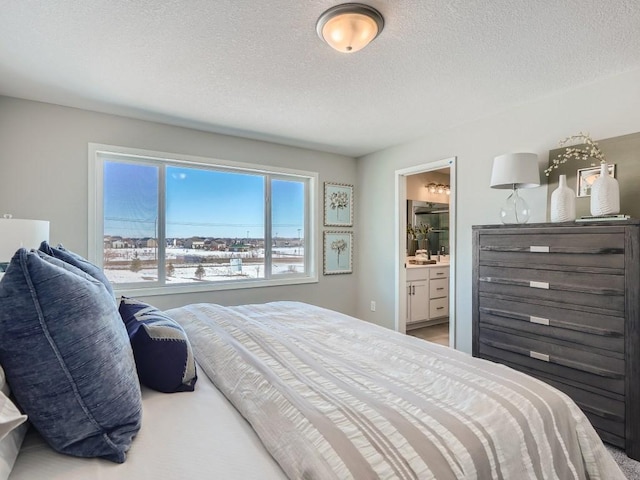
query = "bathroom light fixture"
{"x": 349, "y": 27}
{"x": 438, "y": 188}
{"x": 514, "y": 171}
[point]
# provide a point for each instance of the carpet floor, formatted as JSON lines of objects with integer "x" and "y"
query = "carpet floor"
{"x": 629, "y": 467}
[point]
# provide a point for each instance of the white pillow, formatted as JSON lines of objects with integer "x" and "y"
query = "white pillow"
{"x": 10, "y": 416}
{"x": 12, "y": 429}
{"x": 9, "y": 448}
{"x": 4, "y": 387}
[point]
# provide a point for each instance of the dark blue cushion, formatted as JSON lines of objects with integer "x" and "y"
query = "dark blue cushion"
{"x": 162, "y": 351}
{"x": 78, "y": 261}
{"x": 67, "y": 357}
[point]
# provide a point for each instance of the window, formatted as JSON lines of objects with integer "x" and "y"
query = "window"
{"x": 174, "y": 223}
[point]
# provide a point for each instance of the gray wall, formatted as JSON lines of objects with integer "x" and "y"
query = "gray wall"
{"x": 605, "y": 109}
{"x": 43, "y": 168}
{"x": 624, "y": 153}
{"x": 44, "y": 173}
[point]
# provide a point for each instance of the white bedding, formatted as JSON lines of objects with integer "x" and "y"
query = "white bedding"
{"x": 189, "y": 435}
{"x": 200, "y": 435}
{"x": 333, "y": 397}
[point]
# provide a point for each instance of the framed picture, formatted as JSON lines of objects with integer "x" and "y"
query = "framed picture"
{"x": 338, "y": 252}
{"x": 586, "y": 177}
{"x": 338, "y": 205}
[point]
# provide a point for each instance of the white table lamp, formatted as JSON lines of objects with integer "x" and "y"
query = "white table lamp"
{"x": 16, "y": 233}
{"x": 513, "y": 171}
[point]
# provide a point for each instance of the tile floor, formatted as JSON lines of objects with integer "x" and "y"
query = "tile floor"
{"x": 436, "y": 333}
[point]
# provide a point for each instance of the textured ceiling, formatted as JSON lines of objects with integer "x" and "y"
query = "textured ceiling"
{"x": 257, "y": 69}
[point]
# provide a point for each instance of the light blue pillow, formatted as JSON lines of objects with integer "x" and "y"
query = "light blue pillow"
{"x": 67, "y": 357}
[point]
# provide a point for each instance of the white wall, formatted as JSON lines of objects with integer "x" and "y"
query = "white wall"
{"x": 44, "y": 174}
{"x": 605, "y": 109}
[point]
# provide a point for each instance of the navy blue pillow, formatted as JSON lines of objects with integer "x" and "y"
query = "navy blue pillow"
{"x": 162, "y": 351}
{"x": 77, "y": 261}
{"x": 67, "y": 357}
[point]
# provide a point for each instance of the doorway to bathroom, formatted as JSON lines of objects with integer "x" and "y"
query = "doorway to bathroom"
{"x": 425, "y": 251}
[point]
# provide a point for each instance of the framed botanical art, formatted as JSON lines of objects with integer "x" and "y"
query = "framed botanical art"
{"x": 338, "y": 252}
{"x": 586, "y": 177}
{"x": 338, "y": 205}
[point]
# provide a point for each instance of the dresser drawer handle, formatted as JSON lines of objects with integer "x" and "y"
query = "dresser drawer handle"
{"x": 539, "y": 249}
{"x": 439, "y": 308}
{"x": 440, "y": 288}
{"x": 543, "y": 285}
{"x": 439, "y": 273}
{"x": 539, "y": 320}
{"x": 539, "y": 356}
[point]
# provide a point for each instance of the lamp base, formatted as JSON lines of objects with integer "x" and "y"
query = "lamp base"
{"x": 515, "y": 210}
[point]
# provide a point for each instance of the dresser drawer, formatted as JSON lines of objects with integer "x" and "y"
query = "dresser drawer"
{"x": 439, "y": 272}
{"x": 605, "y": 412}
{"x": 438, "y": 288}
{"x": 558, "y": 280}
{"x": 585, "y": 329}
{"x": 605, "y": 263}
{"x": 586, "y": 241}
{"x": 438, "y": 307}
{"x": 602, "y": 251}
{"x": 559, "y": 361}
{"x": 601, "y": 291}
{"x": 417, "y": 273}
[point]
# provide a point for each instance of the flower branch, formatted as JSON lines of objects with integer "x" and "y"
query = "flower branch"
{"x": 588, "y": 149}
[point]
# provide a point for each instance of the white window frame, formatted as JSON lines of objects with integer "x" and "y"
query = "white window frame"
{"x": 98, "y": 153}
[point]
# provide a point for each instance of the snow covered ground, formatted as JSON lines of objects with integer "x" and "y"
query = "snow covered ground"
{"x": 240, "y": 265}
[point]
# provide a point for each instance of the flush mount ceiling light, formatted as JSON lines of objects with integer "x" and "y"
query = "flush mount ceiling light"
{"x": 349, "y": 27}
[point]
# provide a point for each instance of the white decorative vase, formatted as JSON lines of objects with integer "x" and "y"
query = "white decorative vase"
{"x": 605, "y": 194}
{"x": 563, "y": 202}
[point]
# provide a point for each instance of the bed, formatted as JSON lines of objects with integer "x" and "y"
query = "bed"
{"x": 116, "y": 389}
{"x": 193, "y": 436}
{"x": 291, "y": 390}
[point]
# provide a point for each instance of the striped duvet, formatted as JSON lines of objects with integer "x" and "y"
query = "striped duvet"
{"x": 331, "y": 396}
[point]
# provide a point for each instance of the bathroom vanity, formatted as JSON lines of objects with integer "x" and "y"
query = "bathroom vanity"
{"x": 427, "y": 294}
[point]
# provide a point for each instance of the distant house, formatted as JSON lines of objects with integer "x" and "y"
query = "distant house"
{"x": 213, "y": 245}
{"x": 196, "y": 243}
{"x": 114, "y": 242}
{"x": 239, "y": 247}
{"x": 152, "y": 243}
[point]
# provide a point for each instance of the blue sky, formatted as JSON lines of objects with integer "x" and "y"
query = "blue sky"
{"x": 200, "y": 202}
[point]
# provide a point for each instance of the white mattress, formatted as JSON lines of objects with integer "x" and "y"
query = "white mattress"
{"x": 184, "y": 435}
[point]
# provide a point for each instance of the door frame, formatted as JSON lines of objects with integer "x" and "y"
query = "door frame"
{"x": 401, "y": 238}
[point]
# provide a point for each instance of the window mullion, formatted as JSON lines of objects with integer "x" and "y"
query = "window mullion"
{"x": 161, "y": 242}
{"x": 268, "y": 242}
{"x": 309, "y": 218}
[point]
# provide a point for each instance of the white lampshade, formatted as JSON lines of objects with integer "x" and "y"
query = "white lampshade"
{"x": 349, "y": 27}
{"x": 515, "y": 170}
{"x": 17, "y": 232}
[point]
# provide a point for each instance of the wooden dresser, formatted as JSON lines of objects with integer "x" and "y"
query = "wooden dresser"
{"x": 561, "y": 303}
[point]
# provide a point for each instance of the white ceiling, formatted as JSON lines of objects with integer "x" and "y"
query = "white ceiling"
{"x": 257, "y": 69}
